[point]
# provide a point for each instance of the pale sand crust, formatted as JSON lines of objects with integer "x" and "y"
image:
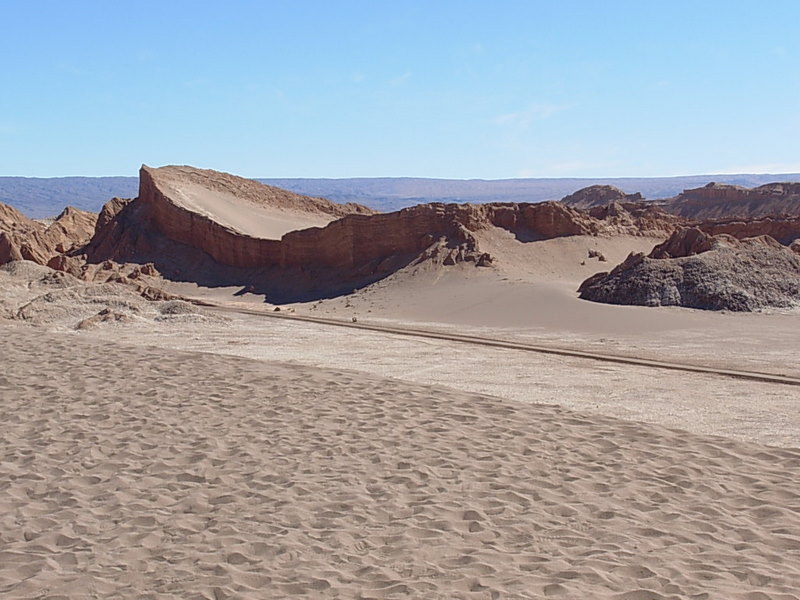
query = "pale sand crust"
{"x": 138, "y": 472}
{"x": 701, "y": 403}
{"x": 257, "y": 220}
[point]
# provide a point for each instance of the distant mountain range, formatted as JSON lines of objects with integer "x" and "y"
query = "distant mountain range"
{"x": 46, "y": 197}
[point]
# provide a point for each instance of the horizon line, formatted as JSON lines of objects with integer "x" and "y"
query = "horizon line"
{"x": 466, "y": 179}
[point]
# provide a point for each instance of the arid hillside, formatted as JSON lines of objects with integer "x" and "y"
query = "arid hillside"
{"x": 723, "y": 201}
{"x": 214, "y": 230}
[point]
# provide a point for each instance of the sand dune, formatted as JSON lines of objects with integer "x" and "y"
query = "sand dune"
{"x": 137, "y": 472}
{"x": 244, "y": 205}
{"x": 257, "y": 220}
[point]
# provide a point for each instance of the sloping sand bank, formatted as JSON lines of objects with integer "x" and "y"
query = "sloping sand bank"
{"x": 148, "y": 473}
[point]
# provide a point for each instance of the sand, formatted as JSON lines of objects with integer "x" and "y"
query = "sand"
{"x": 179, "y": 452}
{"x": 139, "y": 472}
{"x": 257, "y": 220}
{"x": 701, "y": 403}
{"x": 530, "y": 296}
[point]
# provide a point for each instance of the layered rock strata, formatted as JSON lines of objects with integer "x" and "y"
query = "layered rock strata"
{"x": 772, "y": 209}
{"x": 722, "y": 201}
{"x": 128, "y": 231}
{"x": 784, "y": 229}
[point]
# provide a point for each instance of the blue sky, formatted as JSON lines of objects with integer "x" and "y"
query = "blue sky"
{"x": 430, "y": 89}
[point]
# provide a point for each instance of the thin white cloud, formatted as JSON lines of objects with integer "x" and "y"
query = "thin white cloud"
{"x": 571, "y": 168}
{"x": 524, "y": 118}
{"x": 400, "y": 79}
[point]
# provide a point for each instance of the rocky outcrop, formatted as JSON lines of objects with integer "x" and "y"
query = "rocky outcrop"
{"x": 639, "y": 218}
{"x": 686, "y": 242}
{"x": 599, "y": 195}
{"x": 722, "y": 201}
{"x": 22, "y": 238}
{"x": 130, "y": 231}
{"x": 71, "y": 230}
{"x": 37, "y": 295}
{"x": 772, "y": 209}
{"x": 188, "y": 243}
{"x": 159, "y": 209}
{"x": 696, "y": 270}
{"x": 785, "y": 228}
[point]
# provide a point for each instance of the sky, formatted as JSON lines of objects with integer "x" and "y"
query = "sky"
{"x": 431, "y": 88}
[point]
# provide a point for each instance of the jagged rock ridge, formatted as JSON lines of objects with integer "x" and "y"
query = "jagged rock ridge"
{"x": 772, "y": 209}
{"x": 217, "y": 229}
{"x": 599, "y": 195}
{"x": 22, "y": 238}
{"x": 162, "y": 227}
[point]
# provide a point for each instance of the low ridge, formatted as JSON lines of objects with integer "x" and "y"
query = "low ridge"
{"x": 216, "y": 229}
{"x": 202, "y": 226}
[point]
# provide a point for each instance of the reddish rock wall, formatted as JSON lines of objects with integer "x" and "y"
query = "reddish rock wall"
{"x": 720, "y": 201}
{"x": 23, "y": 238}
{"x": 355, "y": 240}
{"x": 784, "y": 229}
{"x": 223, "y": 244}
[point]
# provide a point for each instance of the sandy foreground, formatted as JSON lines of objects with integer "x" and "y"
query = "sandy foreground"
{"x": 701, "y": 403}
{"x": 144, "y": 472}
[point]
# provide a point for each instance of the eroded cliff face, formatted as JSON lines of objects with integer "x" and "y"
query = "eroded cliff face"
{"x": 784, "y": 229}
{"x": 721, "y": 201}
{"x": 155, "y": 209}
{"x": 357, "y": 244}
{"x": 772, "y": 209}
{"x": 438, "y": 231}
{"x": 194, "y": 225}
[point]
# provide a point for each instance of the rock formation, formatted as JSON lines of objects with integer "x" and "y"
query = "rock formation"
{"x": 38, "y": 295}
{"x": 214, "y": 229}
{"x": 599, "y": 195}
{"x": 784, "y": 228}
{"x": 697, "y": 270}
{"x": 185, "y": 221}
{"x": 636, "y": 218}
{"x": 772, "y": 209}
{"x": 209, "y": 211}
{"x": 721, "y": 201}
{"x": 22, "y": 238}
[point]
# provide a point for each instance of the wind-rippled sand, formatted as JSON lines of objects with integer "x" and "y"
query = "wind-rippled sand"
{"x": 139, "y": 472}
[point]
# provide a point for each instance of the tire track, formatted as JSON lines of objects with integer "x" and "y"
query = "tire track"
{"x": 520, "y": 346}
